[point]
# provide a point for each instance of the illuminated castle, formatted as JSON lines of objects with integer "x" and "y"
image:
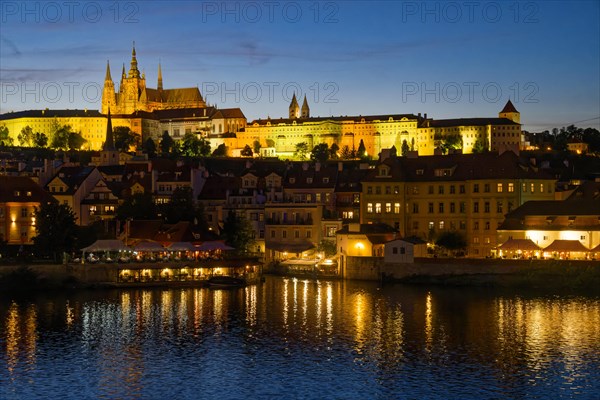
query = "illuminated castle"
{"x": 133, "y": 95}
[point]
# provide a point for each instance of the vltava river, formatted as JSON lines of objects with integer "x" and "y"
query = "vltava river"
{"x": 290, "y": 338}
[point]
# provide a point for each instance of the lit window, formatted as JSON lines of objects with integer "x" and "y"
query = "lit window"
{"x": 377, "y": 208}
{"x": 500, "y": 188}
{"x": 441, "y": 225}
{"x": 388, "y": 207}
{"x": 369, "y": 207}
{"x": 397, "y": 208}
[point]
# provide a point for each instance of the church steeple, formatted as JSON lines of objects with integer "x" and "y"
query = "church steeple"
{"x": 510, "y": 112}
{"x": 107, "y": 78}
{"x": 109, "y": 143}
{"x": 305, "y": 110}
{"x": 294, "y": 108}
{"x": 160, "y": 83}
{"x": 133, "y": 69}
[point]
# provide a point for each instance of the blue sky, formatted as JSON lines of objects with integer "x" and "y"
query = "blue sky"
{"x": 446, "y": 59}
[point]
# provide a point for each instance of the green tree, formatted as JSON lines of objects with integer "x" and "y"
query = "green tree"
{"x": 346, "y": 153}
{"x": 5, "y": 139}
{"x": 247, "y": 151}
{"x": 75, "y": 140}
{"x": 481, "y": 145}
{"x": 125, "y": 138}
{"x": 333, "y": 151}
{"x": 60, "y": 136}
{"x": 320, "y": 153}
{"x": 256, "y": 147}
{"x": 25, "y": 138}
{"x": 327, "y": 247}
{"x": 451, "y": 241}
{"x": 166, "y": 143}
{"x": 237, "y": 232}
{"x": 301, "y": 150}
{"x": 362, "y": 150}
{"x": 55, "y": 228}
{"x": 40, "y": 139}
{"x": 192, "y": 146}
{"x": 138, "y": 206}
{"x": 149, "y": 147}
{"x": 220, "y": 151}
{"x": 270, "y": 143}
{"x": 181, "y": 207}
{"x": 404, "y": 148}
{"x": 451, "y": 142}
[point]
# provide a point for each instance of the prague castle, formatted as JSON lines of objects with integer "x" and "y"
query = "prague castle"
{"x": 150, "y": 113}
{"x": 133, "y": 95}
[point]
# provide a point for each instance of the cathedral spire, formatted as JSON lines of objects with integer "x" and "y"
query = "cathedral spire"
{"x": 133, "y": 70}
{"x": 294, "y": 108}
{"x": 109, "y": 143}
{"x": 107, "y": 77}
{"x": 160, "y": 83}
{"x": 305, "y": 109}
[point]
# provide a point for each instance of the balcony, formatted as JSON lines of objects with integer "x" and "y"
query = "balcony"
{"x": 289, "y": 221}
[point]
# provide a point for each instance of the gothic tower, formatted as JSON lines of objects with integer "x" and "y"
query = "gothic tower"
{"x": 294, "y": 108}
{"x": 109, "y": 98}
{"x": 134, "y": 84}
{"x": 510, "y": 112}
{"x": 305, "y": 109}
{"x": 160, "y": 83}
{"x": 109, "y": 154}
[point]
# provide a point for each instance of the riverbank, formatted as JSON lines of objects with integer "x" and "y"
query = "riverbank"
{"x": 519, "y": 274}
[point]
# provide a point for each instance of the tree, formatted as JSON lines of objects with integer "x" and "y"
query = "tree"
{"x": 149, "y": 147}
{"x": 256, "y": 147}
{"x": 362, "y": 150}
{"x": 181, "y": 207}
{"x": 270, "y": 143}
{"x": 166, "y": 143}
{"x": 404, "y": 148}
{"x": 40, "y": 139}
{"x": 451, "y": 142}
{"x": 452, "y": 241}
{"x": 5, "y": 139}
{"x": 75, "y": 140}
{"x": 220, "y": 151}
{"x": 60, "y": 136}
{"x": 138, "y": 206}
{"x": 26, "y": 136}
{"x": 237, "y": 232}
{"x": 333, "y": 151}
{"x": 192, "y": 146}
{"x": 346, "y": 153}
{"x": 481, "y": 145}
{"x": 301, "y": 150}
{"x": 327, "y": 247}
{"x": 125, "y": 138}
{"x": 320, "y": 153}
{"x": 247, "y": 151}
{"x": 55, "y": 228}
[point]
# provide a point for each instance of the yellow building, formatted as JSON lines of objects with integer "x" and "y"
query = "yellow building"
{"x": 470, "y": 194}
{"x": 19, "y": 196}
{"x": 380, "y": 132}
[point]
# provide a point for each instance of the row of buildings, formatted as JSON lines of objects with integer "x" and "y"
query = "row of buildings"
{"x": 293, "y": 207}
{"x": 152, "y": 112}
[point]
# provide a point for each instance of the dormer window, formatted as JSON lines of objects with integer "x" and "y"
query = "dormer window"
{"x": 292, "y": 180}
{"x": 420, "y": 171}
{"x": 383, "y": 171}
{"x": 326, "y": 180}
{"x": 309, "y": 180}
{"x": 17, "y": 193}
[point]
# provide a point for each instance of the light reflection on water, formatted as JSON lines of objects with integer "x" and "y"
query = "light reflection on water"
{"x": 290, "y": 338}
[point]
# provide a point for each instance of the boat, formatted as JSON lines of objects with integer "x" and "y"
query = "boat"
{"x": 225, "y": 281}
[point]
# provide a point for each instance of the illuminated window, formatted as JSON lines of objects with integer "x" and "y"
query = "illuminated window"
{"x": 532, "y": 187}
{"x": 441, "y": 225}
{"x": 377, "y": 208}
{"x": 541, "y": 188}
{"x": 431, "y": 225}
{"x": 524, "y": 188}
{"x": 388, "y": 207}
{"x": 500, "y": 188}
{"x": 397, "y": 208}
{"x": 369, "y": 207}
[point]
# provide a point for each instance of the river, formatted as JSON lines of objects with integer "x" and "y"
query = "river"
{"x": 289, "y": 338}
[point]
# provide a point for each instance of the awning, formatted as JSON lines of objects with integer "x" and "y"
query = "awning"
{"x": 148, "y": 246}
{"x": 182, "y": 246}
{"x": 518, "y": 244}
{"x": 566, "y": 246}
{"x": 214, "y": 245}
{"x": 105, "y": 245}
{"x": 290, "y": 247}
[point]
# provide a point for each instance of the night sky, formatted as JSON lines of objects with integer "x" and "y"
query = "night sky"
{"x": 446, "y": 59}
